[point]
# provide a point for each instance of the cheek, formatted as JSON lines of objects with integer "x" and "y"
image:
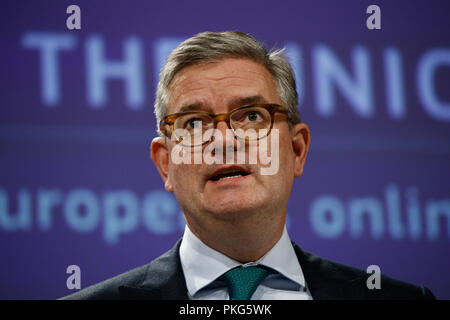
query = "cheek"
{"x": 279, "y": 148}
{"x": 184, "y": 177}
{"x": 175, "y": 177}
{"x": 286, "y": 156}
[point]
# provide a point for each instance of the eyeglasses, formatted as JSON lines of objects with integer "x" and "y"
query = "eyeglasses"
{"x": 192, "y": 126}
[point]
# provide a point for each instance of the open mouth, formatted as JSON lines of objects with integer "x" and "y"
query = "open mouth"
{"x": 228, "y": 174}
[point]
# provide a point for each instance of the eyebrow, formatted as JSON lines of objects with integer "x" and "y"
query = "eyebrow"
{"x": 238, "y": 102}
{"x": 194, "y": 107}
{"x": 248, "y": 100}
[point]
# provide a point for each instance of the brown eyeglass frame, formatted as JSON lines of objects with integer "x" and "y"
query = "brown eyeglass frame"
{"x": 272, "y": 108}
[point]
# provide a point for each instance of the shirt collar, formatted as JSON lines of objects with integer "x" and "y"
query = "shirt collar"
{"x": 202, "y": 265}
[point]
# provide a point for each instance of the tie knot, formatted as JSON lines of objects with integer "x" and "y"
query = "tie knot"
{"x": 243, "y": 281}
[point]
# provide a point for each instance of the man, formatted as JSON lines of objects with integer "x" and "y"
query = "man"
{"x": 215, "y": 91}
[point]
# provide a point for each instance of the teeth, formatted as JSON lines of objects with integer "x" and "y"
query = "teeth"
{"x": 226, "y": 174}
{"x": 228, "y": 177}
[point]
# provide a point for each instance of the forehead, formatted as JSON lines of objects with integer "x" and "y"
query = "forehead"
{"x": 217, "y": 85}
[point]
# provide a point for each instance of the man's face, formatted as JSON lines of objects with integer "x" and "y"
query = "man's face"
{"x": 219, "y": 88}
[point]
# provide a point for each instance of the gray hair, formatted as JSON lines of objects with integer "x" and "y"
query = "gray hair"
{"x": 208, "y": 47}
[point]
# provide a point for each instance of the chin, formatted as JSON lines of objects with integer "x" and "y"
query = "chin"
{"x": 233, "y": 207}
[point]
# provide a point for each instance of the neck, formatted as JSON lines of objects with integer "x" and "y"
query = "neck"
{"x": 243, "y": 240}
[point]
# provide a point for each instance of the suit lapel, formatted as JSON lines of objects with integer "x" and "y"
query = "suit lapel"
{"x": 324, "y": 282}
{"x": 163, "y": 279}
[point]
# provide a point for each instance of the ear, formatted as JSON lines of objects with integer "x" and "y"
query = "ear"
{"x": 300, "y": 146}
{"x": 160, "y": 156}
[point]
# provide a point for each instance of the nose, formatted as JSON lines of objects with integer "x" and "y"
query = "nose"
{"x": 226, "y": 142}
{"x": 227, "y": 135}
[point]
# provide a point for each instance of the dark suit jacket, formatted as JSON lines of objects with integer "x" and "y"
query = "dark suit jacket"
{"x": 163, "y": 279}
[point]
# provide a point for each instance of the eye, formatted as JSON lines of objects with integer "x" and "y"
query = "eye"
{"x": 253, "y": 116}
{"x": 194, "y": 123}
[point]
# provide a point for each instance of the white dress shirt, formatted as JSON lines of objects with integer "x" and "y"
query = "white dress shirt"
{"x": 202, "y": 266}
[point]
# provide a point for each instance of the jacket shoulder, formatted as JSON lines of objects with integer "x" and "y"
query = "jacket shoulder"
{"x": 160, "y": 278}
{"x": 327, "y": 279}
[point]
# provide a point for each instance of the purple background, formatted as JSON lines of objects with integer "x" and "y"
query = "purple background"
{"x": 73, "y": 146}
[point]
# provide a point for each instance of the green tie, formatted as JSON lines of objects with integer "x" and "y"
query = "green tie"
{"x": 243, "y": 281}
